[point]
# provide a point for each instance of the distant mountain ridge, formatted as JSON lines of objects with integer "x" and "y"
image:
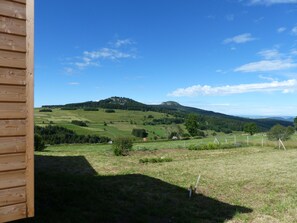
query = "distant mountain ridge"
{"x": 218, "y": 121}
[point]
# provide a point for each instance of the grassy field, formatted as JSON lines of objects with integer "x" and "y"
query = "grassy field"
{"x": 87, "y": 183}
{"x": 119, "y": 123}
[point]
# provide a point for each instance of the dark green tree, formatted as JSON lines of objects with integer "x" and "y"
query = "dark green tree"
{"x": 295, "y": 123}
{"x": 280, "y": 132}
{"x": 122, "y": 145}
{"x": 38, "y": 143}
{"x": 192, "y": 125}
{"x": 250, "y": 128}
{"x": 141, "y": 133}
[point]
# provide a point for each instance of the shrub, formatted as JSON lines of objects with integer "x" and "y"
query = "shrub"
{"x": 110, "y": 111}
{"x": 122, "y": 146}
{"x": 79, "y": 123}
{"x": 60, "y": 135}
{"x": 213, "y": 146}
{"x": 280, "y": 132}
{"x": 45, "y": 110}
{"x": 141, "y": 133}
{"x": 91, "y": 109}
{"x": 68, "y": 108}
{"x": 38, "y": 143}
{"x": 155, "y": 160}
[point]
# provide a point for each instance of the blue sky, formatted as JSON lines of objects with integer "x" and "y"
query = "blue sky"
{"x": 233, "y": 56}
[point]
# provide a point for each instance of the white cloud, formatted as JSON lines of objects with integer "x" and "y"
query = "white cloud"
{"x": 123, "y": 42}
{"x": 294, "y": 30}
{"x": 107, "y": 53}
{"x": 281, "y": 29}
{"x": 270, "y": 54}
{"x": 271, "y": 2}
{"x": 266, "y": 65}
{"x": 243, "y": 38}
{"x": 283, "y": 86}
{"x": 267, "y": 78}
{"x": 73, "y": 83}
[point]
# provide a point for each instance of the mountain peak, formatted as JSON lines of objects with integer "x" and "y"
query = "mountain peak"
{"x": 170, "y": 103}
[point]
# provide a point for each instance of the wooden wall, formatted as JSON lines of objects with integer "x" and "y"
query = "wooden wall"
{"x": 16, "y": 109}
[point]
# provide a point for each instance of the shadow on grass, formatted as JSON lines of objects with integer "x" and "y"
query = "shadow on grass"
{"x": 68, "y": 190}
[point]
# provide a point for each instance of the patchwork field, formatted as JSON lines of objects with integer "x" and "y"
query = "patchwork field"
{"x": 87, "y": 183}
{"x": 119, "y": 123}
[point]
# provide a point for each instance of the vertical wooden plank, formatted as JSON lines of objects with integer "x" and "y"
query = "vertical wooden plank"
{"x": 30, "y": 108}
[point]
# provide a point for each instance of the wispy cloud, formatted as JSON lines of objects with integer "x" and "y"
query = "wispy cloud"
{"x": 266, "y": 65}
{"x": 73, "y": 83}
{"x": 281, "y": 29}
{"x": 294, "y": 30}
{"x": 270, "y": 54}
{"x": 271, "y": 2}
{"x": 282, "y": 86}
{"x": 242, "y": 38}
{"x": 122, "y": 42}
{"x": 267, "y": 78}
{"x": 120, "y": 50}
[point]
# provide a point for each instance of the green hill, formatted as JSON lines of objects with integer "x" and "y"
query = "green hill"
{"x": 168, "y": 113}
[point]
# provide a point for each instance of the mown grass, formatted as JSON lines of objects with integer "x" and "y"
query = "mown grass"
{"x": 87, "y": 183}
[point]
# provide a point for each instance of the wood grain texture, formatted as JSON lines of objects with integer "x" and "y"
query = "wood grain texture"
{"x": 12, "y": 76}
{"x": 12, "y": 93}
{"x": 11, "y": 42}
{"x": 12, "y": 26}
{"x": 13, "y": 110}
{"x": 12, "y": 196}
{"x": 12, "y": 162}
{"x": 30, "y": 109}
{"x": 12, "y": 145}
{"x": 12, "y": 9}
{"x": 12, "y": 59}
{"x": 12, "y": 179}
{"x": 12, "y": 212}
{"x": 12, "y": 127}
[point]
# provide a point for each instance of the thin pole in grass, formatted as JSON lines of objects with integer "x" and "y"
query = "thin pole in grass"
{"x": 281, "y": 144}
{"x": 247, "y": 140}
{"x": 197, "y": 182}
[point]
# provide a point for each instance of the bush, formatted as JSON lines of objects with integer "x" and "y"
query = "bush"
{"x": 155, "y": 160}
{"x": 110, "y": 111}
{"x": 60, "y": 135}
{"x": 122, "y": 146}
{"x": 141, "y": 133}
{"x": 79, "y": 123}
{"x": 45, "y": 110}
{"x": 38, "y": 143}
{"x": 91, "y": 109}
{"x": 68, "y": 108}
{"x": 213, "y": 146}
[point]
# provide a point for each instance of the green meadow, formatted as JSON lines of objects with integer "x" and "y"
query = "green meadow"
{"x": 87, "y": 183}
{"x": 255, "y": 182}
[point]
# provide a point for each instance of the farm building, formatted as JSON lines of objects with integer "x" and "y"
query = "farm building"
{"x": 16, "y": 109}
